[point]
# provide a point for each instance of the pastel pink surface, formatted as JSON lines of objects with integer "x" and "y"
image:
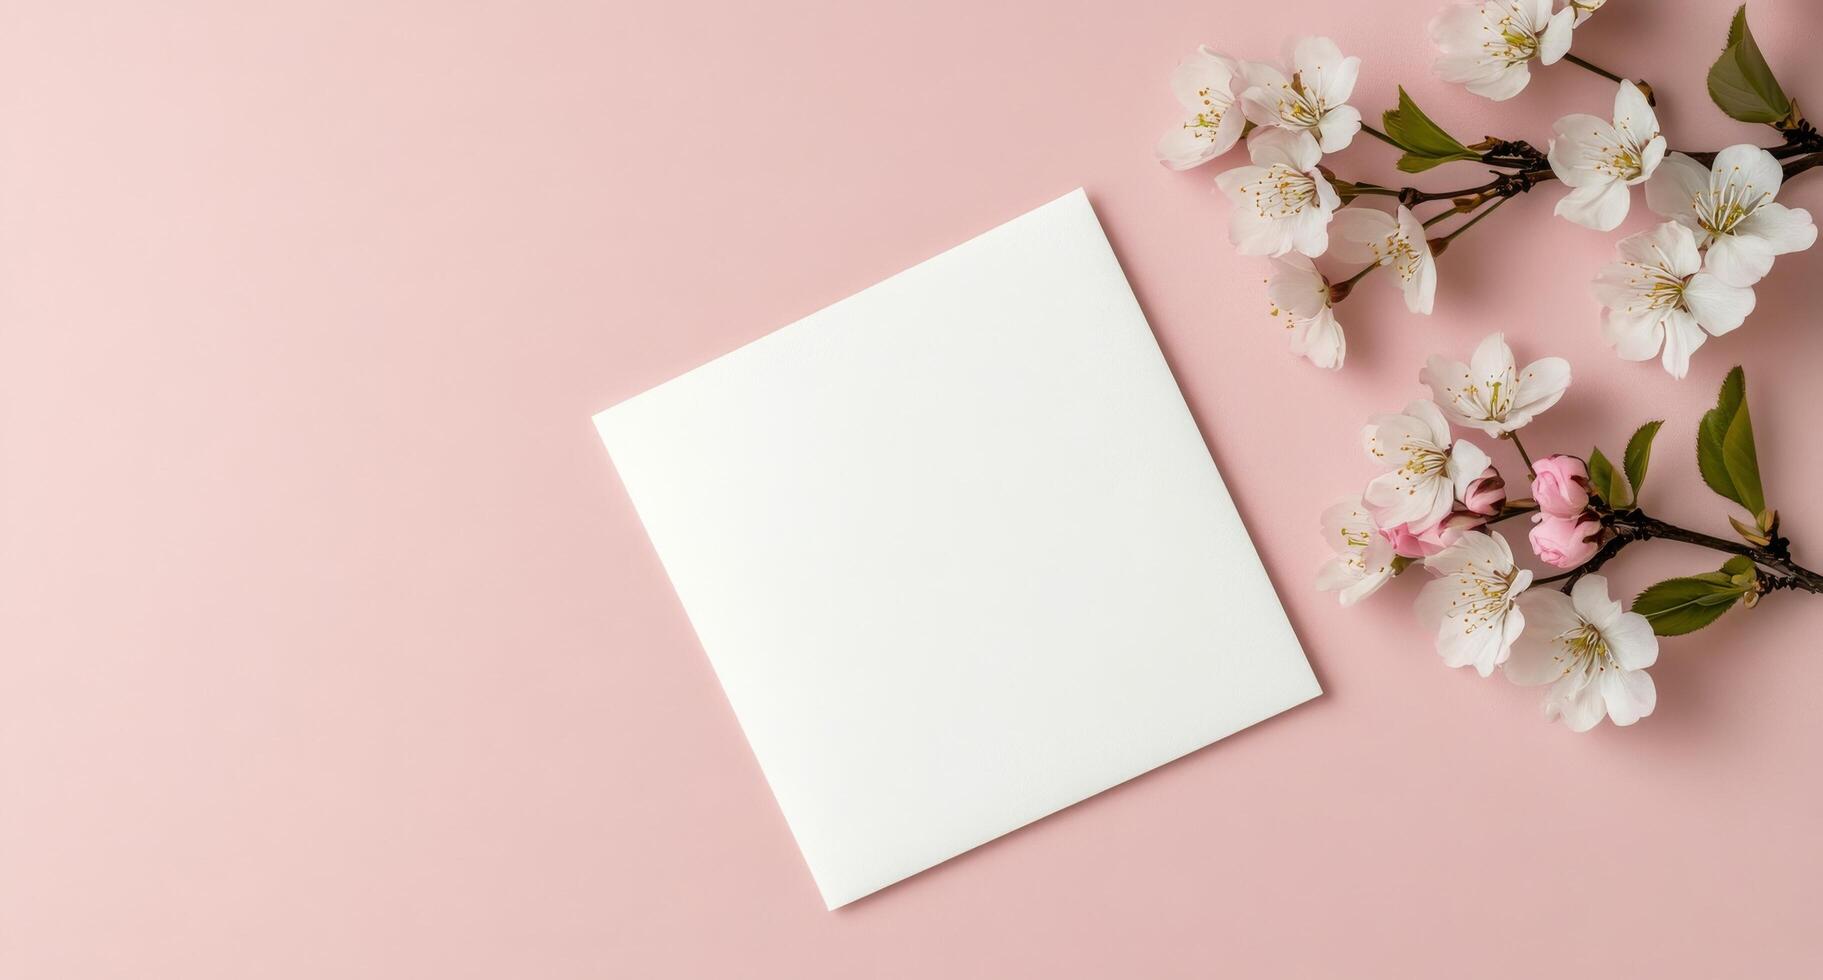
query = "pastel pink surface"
{"x": 332, "y": 647}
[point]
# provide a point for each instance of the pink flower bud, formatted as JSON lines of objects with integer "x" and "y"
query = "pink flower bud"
{"x": 1486, "y": 495}
{"x": 1428, "y": 541}
{"x": 1564, "y": 542}
{"x": 1561, "y": 485}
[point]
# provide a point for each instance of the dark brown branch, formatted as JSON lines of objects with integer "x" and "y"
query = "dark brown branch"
{"x": 1776, "y": 569}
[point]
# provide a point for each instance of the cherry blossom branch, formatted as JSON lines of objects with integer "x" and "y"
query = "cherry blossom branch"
{"x": 1801, "y": 164}
{"x": 1511, "y": 184}
{"x": 1634, "y": 525}
{"x": 1803, "y": 139}
{"x": 1645, "y": 89}
{"x": 1530, "y": 471}
{"x": 1439, "y": 244}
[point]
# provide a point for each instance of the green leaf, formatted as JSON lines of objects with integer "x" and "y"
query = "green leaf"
{"x": 1725, "y": 452}
{"x": 1413, "y": 164}
{"x": 1607, "y": 482}
{"x": 1743, "y": 461}
{"x": 1639, "y": 454}
{"x": 1425, "y": 143}
{"x": 1684, "y": 605}
{"x": 1741, "y": 82}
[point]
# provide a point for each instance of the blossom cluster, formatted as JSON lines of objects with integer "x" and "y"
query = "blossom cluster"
{"x": 1672, "y": 287}
{"x": 1434, "y": 504}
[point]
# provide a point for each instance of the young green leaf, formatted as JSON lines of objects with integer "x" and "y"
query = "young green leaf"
{"x": 1607, "y": 482}
{"x": 1741, "y": 570}
{"x": 1425, "y": 143}
{"x": 1742, "y": 84}
{"x": 1749, "y": 533}
{"x": 1724, "y": 446}
{"x": 1684, "y": 605}
{"x": 1639, "y": 453}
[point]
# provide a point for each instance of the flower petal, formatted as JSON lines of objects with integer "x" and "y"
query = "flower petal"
{"x": 1631, "y": 641}
{"x": 1310, "y": 230}
{"x": 1434, "y": 602}
{"x": 1674, "y": 187}
{"x": 1751, "y": 169}
{"x": 1395, "y": 499}
{"x": 1390, "y": 437}
{"x": 1633, "y": 115}
{"x": 1426, "y": 411}
{"x": 1296, "y": 288}
{"x": 1421, "y": 286}
{"x": 1581, "y": 142}
{"x": 1503, "y": 84}
{"x": 1650, "y": 156}
{"x": 1320, "y": 339}
{"x": 1600, "y": 206}
{"x": 1635, "y": 336}
{"x": 1718, "y": 307}
{"x": 1541, "y": 384}
{"x": 1312, "y": 58}
{"x": 1537, "y": 656}
{"x": 1345, "y": 519}
{"x": 1481, "y": 649}
{"x": 1554, "y": 43}
{"x": 1682, "y": 338}
{"x": 1669, "y": 246}
{"x": 1492, "y": 360}
{"x": 1550, "y": 612}
{"x": 1739, "y": 260}
{"x": 1358, "y": 234}
{"x": 1336, "y": 573}
{"x": 1182, "y": 148}
{"x": 1578, "y": 700}
{"x": 1629, "y": 694}
{"x": 1590, "y": 598}
{"x": 1417, "y": 266}
{"x": 1271, "y": 145}
{"x": 1338, "y": 127}
{"x": 1369, "y": 584}
{"x": 1260, "y": 104}
{"x": 1783, "y": 229}
{"x": 1466, "y": 464}
{"x": 1306, "y": 154}
{"x": 1204, "y": 80}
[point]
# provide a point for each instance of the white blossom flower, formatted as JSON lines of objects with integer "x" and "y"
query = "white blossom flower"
{"x": 1204, "y": 84}
{"x": 1471, "y": 604}
{"x": 1730, "y": 207}
{"x": 1489, "y": 392}
{"x": 1300, "y": 296}
{"x": 1599, "y": 162}
{"x": 1314, "y": 99}
{"x": 1592, "y": 654}
{"x": 1584, "y": 9}
{"x": 1662, "y": 294}
{"x": 1363, "y": 234}
{"x": 1363, "y": 559}
{"x": 1281, "y": 202}
{"x": 1488, "y": 45}
{"x": 1426, "y": 474}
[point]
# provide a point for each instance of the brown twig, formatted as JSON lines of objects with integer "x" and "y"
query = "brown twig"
{"x": 1777, "y": 570}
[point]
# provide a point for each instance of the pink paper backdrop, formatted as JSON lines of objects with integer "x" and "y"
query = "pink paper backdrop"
{"x": 332, "y": 647}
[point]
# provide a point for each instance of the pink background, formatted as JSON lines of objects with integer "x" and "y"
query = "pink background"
{"x": 332, "y": 647}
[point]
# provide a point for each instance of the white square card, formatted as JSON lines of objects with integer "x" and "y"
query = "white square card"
{"x": 957, "y": 552}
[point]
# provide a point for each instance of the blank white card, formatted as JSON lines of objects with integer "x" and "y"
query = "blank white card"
{"x": 957, "y": 552}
